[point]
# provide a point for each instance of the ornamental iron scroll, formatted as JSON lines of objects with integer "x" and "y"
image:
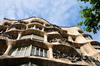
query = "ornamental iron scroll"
{"x": 58, "y": 40}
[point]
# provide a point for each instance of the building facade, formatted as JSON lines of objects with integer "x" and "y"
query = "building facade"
{"x": 36, "y": 42}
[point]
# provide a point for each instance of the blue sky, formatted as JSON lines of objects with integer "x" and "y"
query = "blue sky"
{"x": 61, "y": 13}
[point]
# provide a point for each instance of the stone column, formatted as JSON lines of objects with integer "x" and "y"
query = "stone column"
{"x": 34, "y": 27}
{"x": 7, "y": 29}
{"x": 50, "y": 52}
{"x": 44, "y": 24}
{"x": 19, "y": 35}
{"x": 10, "y": 44}
{"x": 8, "y": 50}
{"x": 45, "y": 38}
{"x": 70, "y": 38}
{"x": 42, "y": 29}
{"x": 26, "y": 27}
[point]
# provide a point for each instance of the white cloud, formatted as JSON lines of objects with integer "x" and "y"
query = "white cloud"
{"x": 62, "y": 12}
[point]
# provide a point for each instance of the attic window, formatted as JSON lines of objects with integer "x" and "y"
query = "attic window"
{"x": 80, "y": 31}
{"x": 87, "y": 37}
{"x": 73, "y": 39}
{"x": 96, "y": 46}
{"x": 65, "y": 31}
{"x": 6, "y": 24}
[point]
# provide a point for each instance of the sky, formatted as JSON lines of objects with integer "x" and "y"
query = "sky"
{"x": 58, "y": 12}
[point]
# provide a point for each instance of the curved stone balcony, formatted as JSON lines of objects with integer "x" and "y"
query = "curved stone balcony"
{"x": 17, "y": 27}
{"x": 36, "y": 22}
{"x": 33, "y": 31}
{"x": 3, "y": 28}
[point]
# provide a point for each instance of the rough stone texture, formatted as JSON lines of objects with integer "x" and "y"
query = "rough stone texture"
{"x": 67, "y": 46}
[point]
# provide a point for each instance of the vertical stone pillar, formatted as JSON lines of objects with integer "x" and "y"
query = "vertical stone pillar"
{"x": 34, "y": 27}
{"x": 42, "y": 29}
{"x": 43, "y": 53}
{"x": 8, "y": 50}
{"x": 10, "y": 44}
{"x": 26, "y": 27}
{"x": 19, "y": 35}
{"x": 7, "y": 29}
{"x": 70, "y": 38}
{"x": 50, "y": 52}
{"x": 44, "y": 24}
{"x": 45, "y": 38}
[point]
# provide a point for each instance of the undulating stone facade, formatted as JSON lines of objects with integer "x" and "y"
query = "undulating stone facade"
{"x": 36, "y": 42}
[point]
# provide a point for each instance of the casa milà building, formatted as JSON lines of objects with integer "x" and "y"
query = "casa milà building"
{"x": 36, "y": 42}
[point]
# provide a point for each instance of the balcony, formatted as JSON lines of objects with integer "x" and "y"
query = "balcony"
{"x": 54, "y": 26}
{"x": 2, "y": 28}
{"x": 17, "y": 27}
{"x": 48, "y": 30}
{"x": 3, "y": 46}
{"x": 57, "y": 40}
{"x": 10, "y": 36}
{"x": 63, "y": 56}
{"x": 33, "y": 37}
{"x": 6, "y": 24}
{"x": 62, "y": 52}
{"x": 36, "y": 22}
{"x": 37, "y": 28}
{"x": 52, "y": 31}
{"x": 32, "y": 26}
{"x": 21, "y": 22}
{"x": 29, "y": 51}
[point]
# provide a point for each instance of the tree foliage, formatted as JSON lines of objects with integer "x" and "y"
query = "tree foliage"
{"x": 91, "y": 16}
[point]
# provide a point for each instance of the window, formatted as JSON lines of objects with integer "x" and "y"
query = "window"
{"x": 7, "y": 24}
{"x": 29, "y": 51}
{"x": 35, "y": 27}
{"x": 32, "y": 36}
{"x": 21, "y": 51}
{"x": 96, "y": 46}
{"x": 88, "y": 38}
{"x": 37, "y": 51}
{"x": 41, "y": 52}
{"x": 33, "y": 51}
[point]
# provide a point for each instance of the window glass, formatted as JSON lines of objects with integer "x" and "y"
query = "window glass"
{"x": 18, "y": 51}
{"x": 14, "y": 52}
{"x": 32, "y": 51}
{"x": 28, "y": 50}
{"x": 88, "y": 37}
{"x": 45, "y": 53}
{"x": 41, "y": 52}
{"x": 37, "y": 51}
{"x": 22, "y": 51}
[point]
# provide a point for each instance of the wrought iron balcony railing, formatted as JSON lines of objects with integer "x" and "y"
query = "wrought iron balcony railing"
{"x": 58, "y": 40}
